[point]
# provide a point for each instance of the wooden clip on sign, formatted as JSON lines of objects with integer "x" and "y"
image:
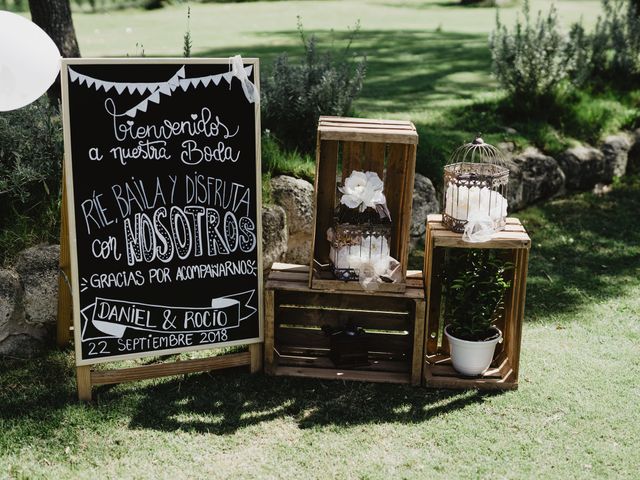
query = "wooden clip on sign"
{"x": 162, "y": 195}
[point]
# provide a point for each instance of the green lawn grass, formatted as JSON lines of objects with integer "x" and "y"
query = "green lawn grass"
{"x": 428, "y": 61}
{"x": 575, "y": 414}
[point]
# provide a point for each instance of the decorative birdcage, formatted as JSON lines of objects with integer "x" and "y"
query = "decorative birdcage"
{"x": 354, "y": 246}
{"x": 475, "y": 186}
{"x": 360, "y": 238}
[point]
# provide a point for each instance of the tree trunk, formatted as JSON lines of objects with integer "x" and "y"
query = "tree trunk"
{"x": 54, "y": 17}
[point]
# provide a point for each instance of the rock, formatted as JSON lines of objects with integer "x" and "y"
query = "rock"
{"x": 274, "y": 235}
{"x": 425, "y": 202}
{"x": 616, "y": 154}
{"x": 633, "y": 156}
{"x": 22, "y": 345}
{"x": 583, "y": 167}
{"x": 18, "y": 338}
{"x": 506, "y": 147}
{"x": 533, "y": 176}
{"x": 295, "y": 196}
{"x": 298, "y": 249}
{"x": 38, "y": 270}
{"x": 10, "y": 300}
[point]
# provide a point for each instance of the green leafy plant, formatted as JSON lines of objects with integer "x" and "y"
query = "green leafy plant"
{"x": 475, "y": 283}
{"x": 529, "y": 62}
{"x": 30, "y": 168}
{"x": 296, "y": 94}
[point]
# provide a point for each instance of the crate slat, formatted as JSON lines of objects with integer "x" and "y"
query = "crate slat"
{"x": 325, "y": 194}
{"x": 352, "y": 154}
{"x": 316, "y": 338}
{"x": 343, "y": 374}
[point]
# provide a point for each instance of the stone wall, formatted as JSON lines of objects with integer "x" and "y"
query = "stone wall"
{"x": 29, "y": 301}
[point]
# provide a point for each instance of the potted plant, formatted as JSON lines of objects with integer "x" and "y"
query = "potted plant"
{"x": 475, "y": 284}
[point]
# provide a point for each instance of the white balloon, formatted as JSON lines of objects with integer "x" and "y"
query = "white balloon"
{"x": 29, "y": 61}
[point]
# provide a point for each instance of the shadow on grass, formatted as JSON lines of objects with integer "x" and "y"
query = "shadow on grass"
{"x": 413, "y": 74}
{"x": 38, "y": 401}
{"x": 407, "y": 70}
{"x": 222, "y": 404}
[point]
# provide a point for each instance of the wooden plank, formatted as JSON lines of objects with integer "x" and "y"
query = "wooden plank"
{"x": 431, "y": 323}
{"x": 434, "y": 301}
{"x": 269, "y": 328}
{"x": 325, "y": 197}
{"x": 518, "y": 240}
{"x": 355, "y": 134}
{"x": 289, "y": 267}
{"x": 299, "y": 274}
{"x": 390, "y": 302}
{"x": 65, "y": 301}
{"x": 316, "y": 338}
{"x": 310, "y": 354}
{"x": 144, "y": 372}
{"x": 516, "y": 334}
{"x": 338, "y": 318}
{"x": 417, "y": 358}
{"x": 374, "y": 158}
{"x": 342, "y": 374}
{"x": 334, "y": 285}
{"x": 255, "y": 351}
{"x": 298, "y": 277}
{"x": 507, "y": 383}
{"x": 352, "y": 154}
{"x": 368, "y": 126}
{"x": 436, "y": 218}
{"x": 328, "y": 119}
{"x": 377, "y": 363}
{"x": 83, "y": 378}
{"x": 393, "y": 185}
{"x": 406, "y": 205}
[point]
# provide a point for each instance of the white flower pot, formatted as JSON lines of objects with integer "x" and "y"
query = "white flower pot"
{"x": 472, "y": 358}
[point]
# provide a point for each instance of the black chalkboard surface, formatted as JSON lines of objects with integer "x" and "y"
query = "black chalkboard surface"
{"x": 163, "y": 185}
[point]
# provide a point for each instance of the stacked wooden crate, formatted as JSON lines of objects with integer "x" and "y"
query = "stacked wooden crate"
{"x": 514, "y": 242}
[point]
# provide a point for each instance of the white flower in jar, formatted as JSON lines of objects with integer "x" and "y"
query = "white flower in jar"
{"x": 362, "y": 190}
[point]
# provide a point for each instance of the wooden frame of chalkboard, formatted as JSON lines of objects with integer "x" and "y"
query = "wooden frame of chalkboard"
{"x": 167, "y": 246}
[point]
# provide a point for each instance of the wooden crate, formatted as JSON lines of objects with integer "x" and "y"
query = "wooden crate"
{"x": 387, "y": 147}
{"x": 295, "y": 345}
{"x": 503, "y": 373}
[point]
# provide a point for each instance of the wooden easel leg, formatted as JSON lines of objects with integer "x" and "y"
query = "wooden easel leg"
{"x": 255, "y": 349}
{"x": 63, "y": 336}
{"x": 83, "y": 375}
{"x": 269, "y": 326}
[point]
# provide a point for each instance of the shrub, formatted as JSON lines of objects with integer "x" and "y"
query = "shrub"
{"x": 529, "y": 62}
{"x": 296, "y": 94}
{"x": 620, "y": 61}
{"x": 30, "y": 166}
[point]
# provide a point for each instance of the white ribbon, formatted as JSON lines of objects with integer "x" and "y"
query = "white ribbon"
{"x": 479, "y": 228}
{"x": 236, "y": 68}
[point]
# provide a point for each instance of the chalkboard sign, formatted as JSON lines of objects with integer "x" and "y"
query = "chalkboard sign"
{"x": 163, "y": 187}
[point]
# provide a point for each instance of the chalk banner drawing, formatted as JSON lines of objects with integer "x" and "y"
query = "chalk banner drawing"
{"x": 162, "y": 164}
